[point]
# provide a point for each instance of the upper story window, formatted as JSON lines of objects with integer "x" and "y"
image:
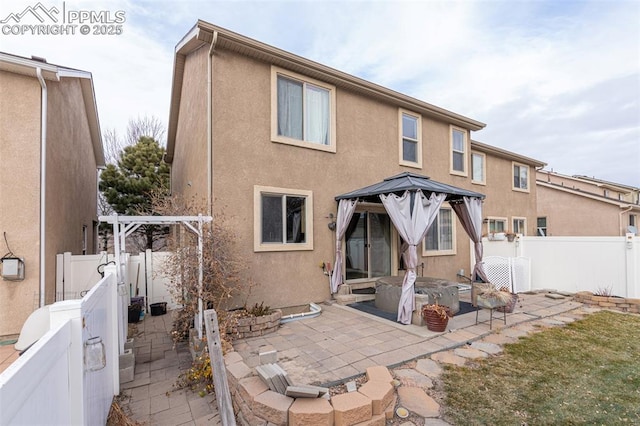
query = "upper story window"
{"x": 520, "y": 177}
{"x": 458, "y": 151}
{"x": 440, "y": 238}
{"x": 478, "y": 167}
{"x": 302, "y": 111}
{"x": 282, "y": 219}
{"x": 410, "y": 139}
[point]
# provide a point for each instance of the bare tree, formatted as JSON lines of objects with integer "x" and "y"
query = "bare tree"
{"x": 151, "y": 127}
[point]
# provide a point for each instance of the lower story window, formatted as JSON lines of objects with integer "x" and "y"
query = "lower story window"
{"x": 542, "y": 227}
{"x": 497, "y": 225}
{"x": 519, "y": 226}
{"x": 440, "y": 237}
{"x": 282, "y": 219}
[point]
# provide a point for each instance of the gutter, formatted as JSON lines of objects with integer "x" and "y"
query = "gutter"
{"x": 622, "y": 231}
{"x": 43, "y": 182}
{"x": 212, "y": 50}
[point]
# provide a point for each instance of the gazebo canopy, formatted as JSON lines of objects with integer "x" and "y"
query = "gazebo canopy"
{"x": 408, "y": 181}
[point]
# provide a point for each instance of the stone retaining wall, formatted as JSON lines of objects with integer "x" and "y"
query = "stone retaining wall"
{"x": 608, "y": 302}
{"x": 257, "y": 326}
{"x": 256, "y": 405}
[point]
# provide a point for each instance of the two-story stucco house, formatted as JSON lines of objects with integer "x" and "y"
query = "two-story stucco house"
{"x": 272, "y": 139}
{"x": 50, "y": 151}
{"x": 606, "y": 208}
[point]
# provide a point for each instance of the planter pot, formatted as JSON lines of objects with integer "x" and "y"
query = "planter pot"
{"x": 134, "y": 313}
{"x": 158, "y": 308}
{"x": 510, "y": 306}
{"x": 434, "y": 320}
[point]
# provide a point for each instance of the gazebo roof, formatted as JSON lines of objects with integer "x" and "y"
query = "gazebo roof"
{"x": 411, "y": 182}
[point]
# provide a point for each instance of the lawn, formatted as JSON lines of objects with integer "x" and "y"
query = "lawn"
{"x": 587, "y": 372}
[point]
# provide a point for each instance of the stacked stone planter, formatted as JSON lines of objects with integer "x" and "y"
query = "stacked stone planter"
{"x": 257, "y": 326}
{"x": 607, "y": 302}
{"x": 255, "y": 404}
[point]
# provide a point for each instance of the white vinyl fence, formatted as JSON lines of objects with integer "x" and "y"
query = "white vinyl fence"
{"x": 53, "y": 382}
{"x": 575, "y": 264}
{"x": 76, "y": 274}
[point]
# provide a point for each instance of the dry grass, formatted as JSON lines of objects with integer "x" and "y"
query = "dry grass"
{"x": 585, "y": 373}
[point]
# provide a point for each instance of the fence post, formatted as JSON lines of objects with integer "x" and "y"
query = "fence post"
{"x": 223, "y": 397}
{"x": 114, "y": 325}
{"x": 59, "y": 313}
{"x": 632, "y": 258}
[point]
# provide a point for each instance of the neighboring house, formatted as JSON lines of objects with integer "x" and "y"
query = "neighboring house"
{"x": 508, "y": 180}
{"x": 50, "y": 150}
{"x": 583, "y": 206}
{"x": 271, "y": 139}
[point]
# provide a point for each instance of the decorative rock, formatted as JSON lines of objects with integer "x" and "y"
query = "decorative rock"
{"x": 379, "y": 373}
{"x": 418, "y": 402}
{"x": 351, "y": 386}
{"x": 470, "y": 353}
{"x": 306, "y": 411}
{"x": 410, "y": 377}
{"x": 351, "y": 408}
{"x": 272, "y": 407}
{"x": 448, "y": 357}
{"x": 429, "y": 368}
{"x": 380, "y": 394}
{"x": 490, "y": 348}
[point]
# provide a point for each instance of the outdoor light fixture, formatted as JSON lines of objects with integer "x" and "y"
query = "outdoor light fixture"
{"x": 331, "y": 225}
{"x": 94, "y": 354}
{"x": 12, "y": 269}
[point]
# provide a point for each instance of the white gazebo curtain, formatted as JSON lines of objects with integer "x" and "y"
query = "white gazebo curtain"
{"x": 345, "y": 213}
{"x": 469, "y": 211}
{"x": 412, "y": 225}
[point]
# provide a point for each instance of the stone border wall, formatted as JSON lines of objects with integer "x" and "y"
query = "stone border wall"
{"x": 257, "y": 326}
{"x": 607, "y": 302}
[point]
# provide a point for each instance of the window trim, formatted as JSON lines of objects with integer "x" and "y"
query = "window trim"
{"x": 497, "y": 219}
{"x": 465, "y": 160}
{"x": 484, "y": 168}
{"x": 454, "y": 249}
{"x": 258, "y": 246}
{"x": 275, "y": 71}
{"x": 524, "y": 225}
{"x": 513, "y": 187}
{"x": 402, "y": 161}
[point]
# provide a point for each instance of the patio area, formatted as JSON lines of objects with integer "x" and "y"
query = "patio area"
{"x": 342, "y": 342}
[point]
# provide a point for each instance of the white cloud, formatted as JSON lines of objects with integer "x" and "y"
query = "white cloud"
{"x": 557, "y": 81}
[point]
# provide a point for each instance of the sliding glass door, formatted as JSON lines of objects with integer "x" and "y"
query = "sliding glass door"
{"x": 368, "y": 246}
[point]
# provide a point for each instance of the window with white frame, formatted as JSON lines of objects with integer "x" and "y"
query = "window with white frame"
{"x": 520, "y": 177}
{"x": 519, "y": 225}
{"x": 458, "y": 151}
{"x": 282, "y": 219}
{"x": 302, "y": 111}
{"x": 478, "y": 167}
{"x": 497, "y": 225}
{"x": 541, "y": 226}
{"x": 440, "y": 238}
{"x": 410, "y": 139}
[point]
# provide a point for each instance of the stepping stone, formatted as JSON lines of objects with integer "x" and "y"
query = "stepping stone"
{"x": 429, "y": 368}
{"x": 418, "y": 402}
{"x": 499, "y": 339}
{"x": 470, "y": 353}
{"x": 554, "y": 296}
{"x": 410, "y": 377}
{"x": 435, "y": 422}
{"x": 448, "y": 357}
{"x": 490, "y": 348}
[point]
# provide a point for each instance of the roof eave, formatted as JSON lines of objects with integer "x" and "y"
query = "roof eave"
{"x": 503, "y": 153}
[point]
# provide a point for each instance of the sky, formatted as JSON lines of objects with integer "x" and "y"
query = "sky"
{"x": 557, "y": 80}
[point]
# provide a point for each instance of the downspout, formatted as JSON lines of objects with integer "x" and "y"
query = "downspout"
{"x": 43, "y": 182}
{"x": 621, "y": 213}
{"x": 212, "y": 49}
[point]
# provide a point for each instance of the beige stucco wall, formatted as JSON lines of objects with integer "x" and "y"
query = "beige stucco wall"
{"x": 70, "y": 185}
{"x": 71, "y": 177}
{"x": 575, "y": 215}
{"x": 19, "y": 194}
{"x": 504, "y": 202}
{"x": 244, "y": 156}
